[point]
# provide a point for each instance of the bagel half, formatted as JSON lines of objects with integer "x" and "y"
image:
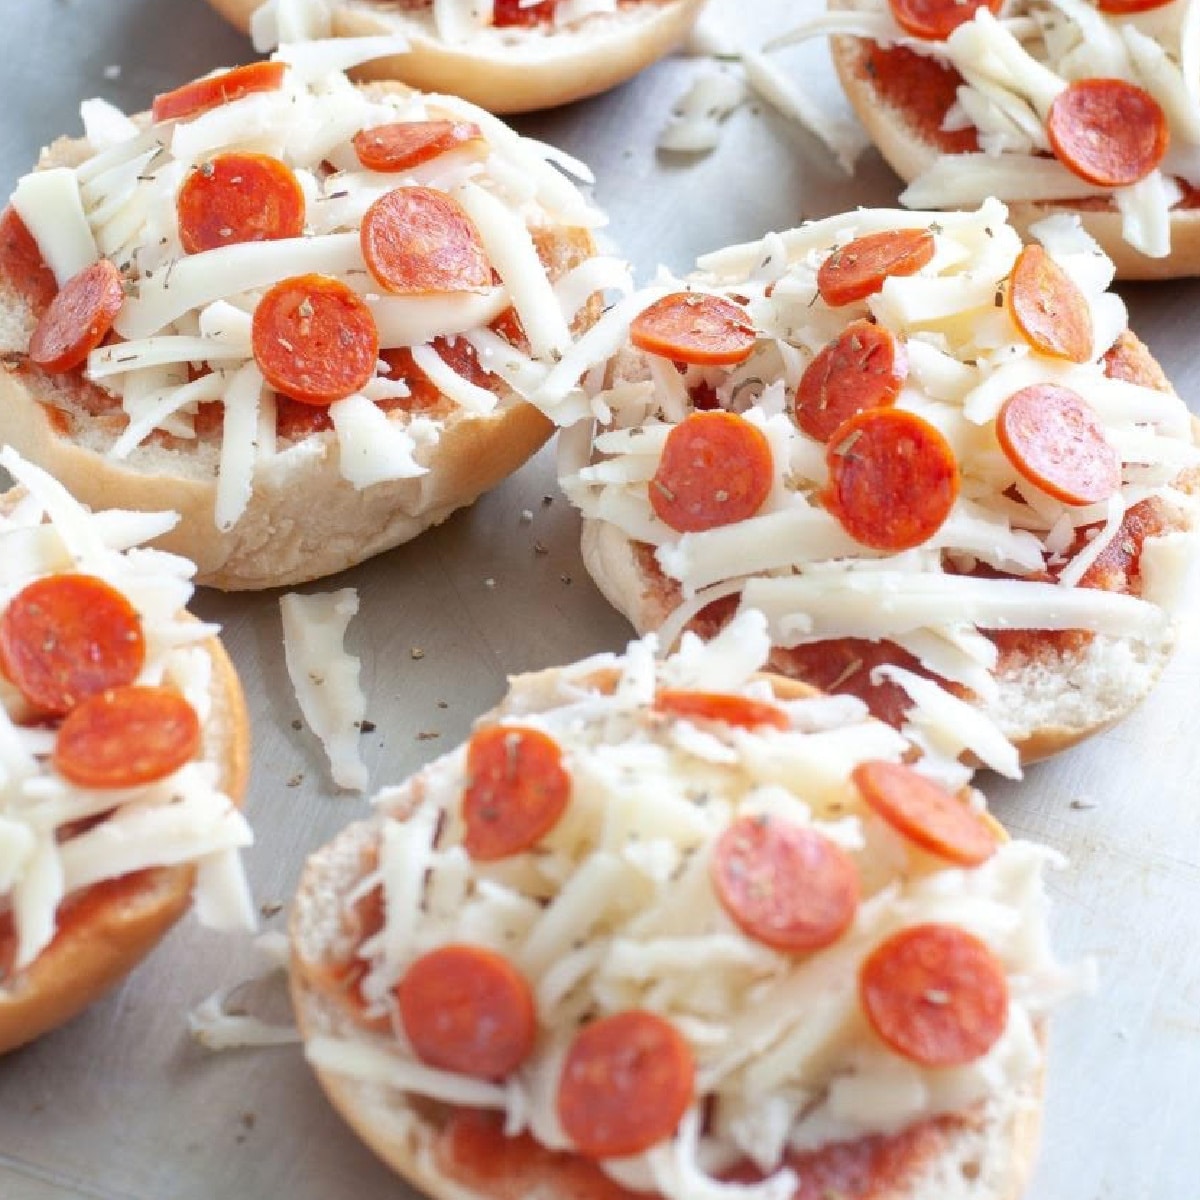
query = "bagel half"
{"x": 902, "y": 110}
{"x": 303, "y": 519}
{"x": 1048, "y": 691}
{"x": 511, "y": 70}
{"x": 104, "y": 930}
{"x": 452, "y": 1152}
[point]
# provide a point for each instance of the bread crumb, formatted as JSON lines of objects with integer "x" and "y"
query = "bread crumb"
{"x": 416, "y": 652}
{"x": 526, "y": 516}
{"x": 426, "y": 735}
{"x": 271, "y": 908}
{"x": 489, "y": 582}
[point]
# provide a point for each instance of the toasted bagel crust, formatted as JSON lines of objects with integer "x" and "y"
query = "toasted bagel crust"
{"x": 303, "y": 520}
{"x": 985, "y": 1154}
{"x": 529, "y": 69}
{"x": 122, "y": 923}
{"x": 908, "y": 153}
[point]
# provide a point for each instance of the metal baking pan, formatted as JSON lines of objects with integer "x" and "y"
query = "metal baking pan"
{"x": 121, "y": 1104}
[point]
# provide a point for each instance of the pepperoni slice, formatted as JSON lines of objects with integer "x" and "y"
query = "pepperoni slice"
{"x": 858, "y": 269}
{"x": 716, "y": 468}
{"x": 625, "y": 1085}
{"x": 517, "y": 788}
{"x": 1056, "y": 442}
{"x": 863, "y": 367}
{"x": 78, "y": 318}
{"x": 314, "y": 339}
{"x": 892, "y": 479}
{"x": 126, "y": 736}
{"x": 693, "y": 327}
{"x": 67, "y": 637}
{"x": 721, "y": 706}
{"x": 468, "y": 1010}
{"x": 239, "y": 197}
{"x": 1107, "y": 131}
{"x": 196, "y": 97}
{"x": 419, "y": 240}
{"x": 406, "y": 144}
{"x": 786, "y": 886}
{"x": 936, "y": 20}
{"x": 1125, "y": 8}
{"x": 1047, "y": 307}
{"x": 935, "y": 994}
{"x": 22, "y": 265}
{"x": 507, "y": 13}
{"x": 926, "y": 813}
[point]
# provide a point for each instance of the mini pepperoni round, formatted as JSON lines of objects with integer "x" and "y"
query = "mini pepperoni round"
{"x": 696, "y": 328}
{"x": 1107, "y": 131}
{"x": 127, "y": 736}
{"x": 925, "y": 812}
{"x": 716, "y": 468}
{"x": 729, "y": 709}
{"x": 507, "y": 13}
{"x": 517, "y": 789}
{"x": 626, "y": 1082}
{"x": 239, "y": 197}
{"x": 406, "y": 144}
{"x": 858, "y": 269}
{"x": 935, "y": 994}
{"x": 79, "y": 317}
{"x": 468, "y": 1010}
{"x": 67, "y": 637}
{"x": 196, "y": 97}
{"x": 936, "y": 20}
{"x": 863, "y": 367}
{"x": 1048, "y": 308}
{"x": 786, "y": 886}
{"x": 1057, "y": 443}
{"x": 1125, "y": 8}
{"x": 314, "y": 339}
{"x": 893, "y": 479}
{"x": 417, "y": 240}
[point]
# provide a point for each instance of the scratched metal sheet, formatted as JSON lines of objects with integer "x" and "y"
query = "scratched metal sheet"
{"x": 121, "y": 1105}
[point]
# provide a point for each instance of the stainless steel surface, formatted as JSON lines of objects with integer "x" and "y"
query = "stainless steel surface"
{"x": 121, "y": 1104}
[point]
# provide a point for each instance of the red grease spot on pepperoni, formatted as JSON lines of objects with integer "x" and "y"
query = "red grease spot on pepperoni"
{"x": 694, "y": 327}
{"x": 418, "y": 240}
{"x": 716, "y": 468}
{"x": 406, "y": 144}
{"x": 1107, "y": 131}
{"x": 893, "y": 479}
{"x": 935, "y": 994}
{"x": 196, "y": 97}
{"x": 469, "y": 1010}
{"x": 863, "y": 367}
{"x": 236, "y": 198}
{"x": 124, "y": 737}
{"x": 78, "y": 318}
{"x": 1048, "y": 308}
{"x": 786, "y": 886}
{"x": 1055, "y": 441}
{"x": 67, "y": 637}
{"x": 859, "y": 268}
{"x": 314, "y": 339}
{"x": 925, "y": 812}
{"x": 517, "y": 789}
{"x": 626, "y": 1082}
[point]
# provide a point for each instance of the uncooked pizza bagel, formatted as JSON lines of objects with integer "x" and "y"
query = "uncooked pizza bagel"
{"x": 676, "y": 928}
{"x": 1083, "y": 108}
{"x": 505, "y": 55}
{"x": 123, "y": 754}
{"x": 310, "y": 317}
{"x": 934, "y": 455}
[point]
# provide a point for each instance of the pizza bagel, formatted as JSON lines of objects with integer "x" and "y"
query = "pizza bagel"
{"x": 504, "y": 55}
{"x": 655, "y": 929}
{"x": 309, "y": 317}
{"x": 123, "y": 754}
{"x": 934, "y": 455}
{"x": 1082, "y": 110}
